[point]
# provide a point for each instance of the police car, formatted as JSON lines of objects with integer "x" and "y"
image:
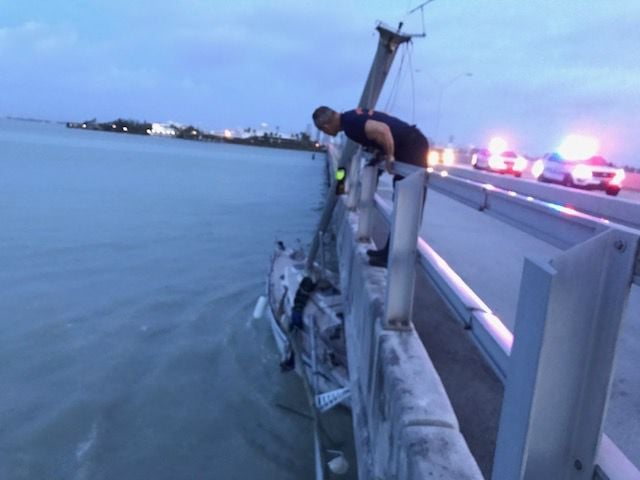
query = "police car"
{"x": 506, "y": 161}
{"x": 591, "y": 173}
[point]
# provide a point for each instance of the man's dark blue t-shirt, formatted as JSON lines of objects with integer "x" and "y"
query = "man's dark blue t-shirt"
{"x": 409, "y": 143}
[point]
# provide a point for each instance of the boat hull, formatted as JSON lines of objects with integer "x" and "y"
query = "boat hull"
{"x": 314, "y": 346}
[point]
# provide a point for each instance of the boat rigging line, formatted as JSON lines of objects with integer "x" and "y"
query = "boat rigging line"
{"x": 413, "y": 84}
{"x": 393, "y": 92}
{"x": 395, "y": 86}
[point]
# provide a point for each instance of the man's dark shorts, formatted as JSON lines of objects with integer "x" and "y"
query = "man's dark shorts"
{"x": 413, "y": 149}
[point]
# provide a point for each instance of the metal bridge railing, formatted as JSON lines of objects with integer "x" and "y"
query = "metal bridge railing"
{"x": 557, "y": 371}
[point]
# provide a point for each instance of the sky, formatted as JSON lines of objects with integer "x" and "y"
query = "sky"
{"x": 540, "y": 69}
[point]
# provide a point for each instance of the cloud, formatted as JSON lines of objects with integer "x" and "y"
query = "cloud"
{"x": 33, "y": 37}
{"x": 537, "y": 66}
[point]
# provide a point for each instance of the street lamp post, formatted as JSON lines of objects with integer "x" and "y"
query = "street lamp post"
{"x": 442, "y": 87}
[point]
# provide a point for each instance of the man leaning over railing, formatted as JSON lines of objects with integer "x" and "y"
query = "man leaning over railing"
{"x": 391, "y": 138}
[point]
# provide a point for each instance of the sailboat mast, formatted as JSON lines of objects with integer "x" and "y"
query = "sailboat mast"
{"x": 388, "y": 44}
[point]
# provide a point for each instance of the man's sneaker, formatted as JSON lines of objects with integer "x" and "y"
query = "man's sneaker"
{"x": 378, "y": 253}
{"x": 379, "y": 261}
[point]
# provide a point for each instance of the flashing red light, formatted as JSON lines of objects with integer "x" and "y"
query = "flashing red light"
{"x": 497, "y": 145}
{"x": 578, "y": 147}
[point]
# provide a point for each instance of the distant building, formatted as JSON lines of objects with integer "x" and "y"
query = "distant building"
{"x": 164, "y": 129}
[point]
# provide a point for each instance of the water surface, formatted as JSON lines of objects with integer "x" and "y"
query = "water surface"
{"x": 129, "y": 270}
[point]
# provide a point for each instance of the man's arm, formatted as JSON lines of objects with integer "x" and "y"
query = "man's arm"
{"x": 381, "y": 134}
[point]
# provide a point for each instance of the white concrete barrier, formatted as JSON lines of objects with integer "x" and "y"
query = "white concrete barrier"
{"x": 615, "y": 209}
{"x": 434, "y": 452}
{"x": 404, "y": 425}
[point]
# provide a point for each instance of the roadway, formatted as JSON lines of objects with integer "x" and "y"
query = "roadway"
{"x": 488, "y": 254}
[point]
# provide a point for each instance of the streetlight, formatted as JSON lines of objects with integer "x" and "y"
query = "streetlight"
{"x": 442, "y": 87}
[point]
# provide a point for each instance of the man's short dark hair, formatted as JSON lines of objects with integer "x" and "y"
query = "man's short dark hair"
{"x": 322, "y": 115}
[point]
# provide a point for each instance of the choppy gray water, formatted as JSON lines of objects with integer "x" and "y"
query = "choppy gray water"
{"x": 129, "y": 268}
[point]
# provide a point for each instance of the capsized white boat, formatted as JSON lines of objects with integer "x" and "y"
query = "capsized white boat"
{"x": 308, "y": 325}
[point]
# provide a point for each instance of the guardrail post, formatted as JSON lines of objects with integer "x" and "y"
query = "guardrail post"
{"x": 367, "y": 192}
{"x": 559, "y": 376}
{"x": 407, "y": 216}
{"x": 353, "y": 181}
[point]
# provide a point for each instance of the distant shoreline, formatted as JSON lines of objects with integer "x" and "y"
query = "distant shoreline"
{"x": 269, "y": 140}
{"x": 301, "y": 141}
{"x": 33, "y": 120}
